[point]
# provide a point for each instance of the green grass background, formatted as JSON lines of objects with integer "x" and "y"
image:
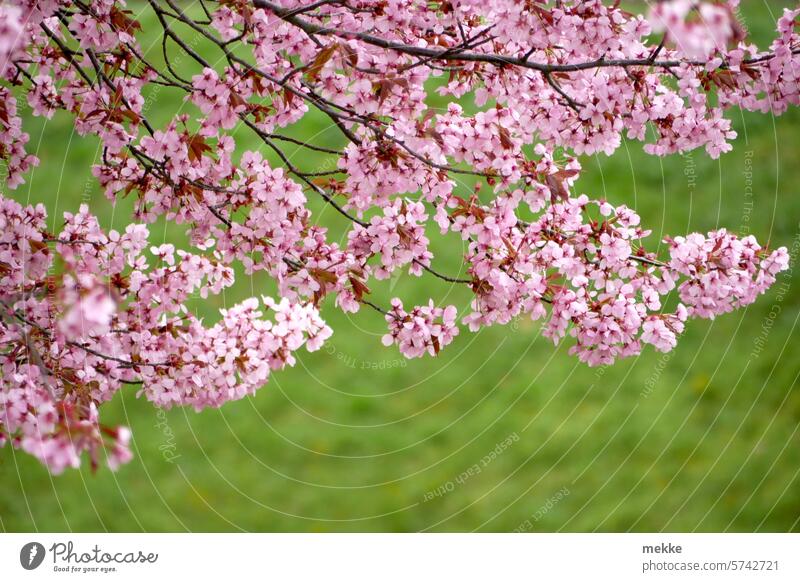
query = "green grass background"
{"x": 354, "y": 438}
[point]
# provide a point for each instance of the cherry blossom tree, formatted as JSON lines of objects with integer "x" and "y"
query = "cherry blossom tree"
{"x": 85, "y": 313}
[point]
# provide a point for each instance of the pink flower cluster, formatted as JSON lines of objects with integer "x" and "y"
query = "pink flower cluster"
{"x": 425, "y": 329}
{"x": 723, "y": 272}
{"x": 220, "y": 100}
{"x": 11, "y": 34}
{"x": 398, "y": 238}
{"x": 116, "y": 316}
{"x": 57, "y": 432}
{"x": 697, "y": 28}
{"x": 13, "y": 140}
{"x": 232, "y": 359}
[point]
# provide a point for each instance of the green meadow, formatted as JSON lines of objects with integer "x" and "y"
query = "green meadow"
{"x": 503, "y": 430}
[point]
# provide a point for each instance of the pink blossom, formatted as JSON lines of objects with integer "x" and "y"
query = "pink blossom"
{"x": 90, "y": 315}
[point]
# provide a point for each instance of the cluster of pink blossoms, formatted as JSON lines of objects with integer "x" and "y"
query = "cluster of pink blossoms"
{"x": 398, "y": 238}
{"x": 698, "y": 29}
{"x": 722, "y": 272}
{"x": 85, "y": 313}
{"x": 117, "y": 315}
{"x": 426, "y": 329}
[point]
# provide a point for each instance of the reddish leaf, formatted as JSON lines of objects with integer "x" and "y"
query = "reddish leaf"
{"x": 197, "y": 147}
{"x": 557, "y": 189}
{"x": 505, "y": 138}
{"x": 121, "y": 21}
{"x": 322, "y": 57}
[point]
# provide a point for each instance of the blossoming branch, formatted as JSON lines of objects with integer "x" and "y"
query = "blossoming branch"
{"x": 85, "y": 313}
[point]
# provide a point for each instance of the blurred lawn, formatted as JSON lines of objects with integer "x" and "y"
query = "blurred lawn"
{"x": 356, "y": 438}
